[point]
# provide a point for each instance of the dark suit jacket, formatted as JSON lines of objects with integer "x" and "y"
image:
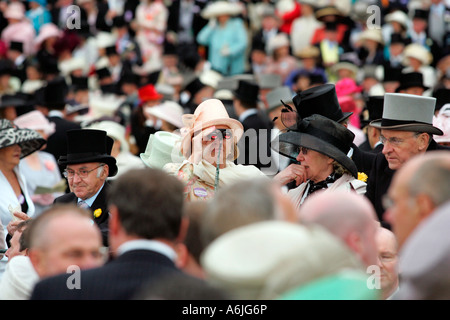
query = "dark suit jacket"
{"x": 251, "y": 143}
{"x": 363, "y": 159}
{"x": 118, "y": 279}
{"x": 99, "y": 203}
{"x": 380, "y": 179}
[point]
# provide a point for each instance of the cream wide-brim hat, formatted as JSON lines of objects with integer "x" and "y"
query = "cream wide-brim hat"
{"x": 417, "y": 51}
{"x": 169, "y": 111}
{"x": 162, "y": 147}
{"x": 211, "y": 112}
{"x": 220, "y": 8}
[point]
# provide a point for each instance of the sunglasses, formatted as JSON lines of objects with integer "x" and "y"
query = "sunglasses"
{"x": 219, "y": 134}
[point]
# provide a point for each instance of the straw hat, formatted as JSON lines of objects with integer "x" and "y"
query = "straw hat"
{"x": 308, "y": 52}
{"x": 218, "y": 8}
{"x": 162, "y": 148}
{"x": 406, "y": 112}
{"x": 169, "y": 111}
{"x": 372, "y": 34}
{"x": 35, "y": 120}
{"x": 29, "y": 140}
{"x": 209, "y": 113}
{"x": 398, "y": 16}
{"x": 417, "y": 51}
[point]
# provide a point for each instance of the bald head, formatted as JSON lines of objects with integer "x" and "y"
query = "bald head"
{"x": 347, "y": 215}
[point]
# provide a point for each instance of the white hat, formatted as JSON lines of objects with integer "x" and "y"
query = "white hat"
{"x": 114, "y": 130}
{"x": 277, "y": 41}
{"x": 15, "y": 10}
{"x": 105, "y": 39}
{"x": 210, "y": 78}
{"x": 169, "y": 111}
{"x": 417, "y": 51}
{"x": 398, "y": 16}
{"x": 218, "y": 8}
{"x": 69, "y": 65}
{"x": 265, "y": 259}
{"x": 162, "y": 147}
{"x": 46, "y": 31}
{"x": 35, "y": 120}
{"x": 372, "y": 34}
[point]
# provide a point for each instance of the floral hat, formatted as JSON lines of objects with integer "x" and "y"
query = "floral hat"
{"x": 29, "y": 140}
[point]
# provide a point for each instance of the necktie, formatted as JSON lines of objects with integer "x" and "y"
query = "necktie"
{"x": 83, "y": 204}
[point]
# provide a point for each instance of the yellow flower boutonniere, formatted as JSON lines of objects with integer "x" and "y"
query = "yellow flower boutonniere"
{"x": 362, "y": 176}
{"x": 97, "y": 213}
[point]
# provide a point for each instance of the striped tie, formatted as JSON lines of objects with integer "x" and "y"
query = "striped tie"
{"x": 83, "y": 204}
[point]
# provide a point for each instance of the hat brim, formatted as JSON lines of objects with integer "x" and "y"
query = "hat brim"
{"x": 109, "y": 160}
{"x": 28, "y": 140}
{"x": 287, "y": 143}
{"x": 416, "y": 127}
{"x": 403, "y": 87}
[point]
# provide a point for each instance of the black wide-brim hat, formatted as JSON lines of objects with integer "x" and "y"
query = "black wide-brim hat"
{"x": 89, "y": 145}
{"x": 29, "y": 140}
{"x": 321, "y": 100}
{"x": 320, "y": 134}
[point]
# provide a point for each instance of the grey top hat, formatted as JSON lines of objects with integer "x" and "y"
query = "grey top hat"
{"x": 275, "y": 96}
{"x": 407, "y": 112}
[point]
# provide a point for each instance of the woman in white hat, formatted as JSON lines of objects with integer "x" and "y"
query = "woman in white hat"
{"x": 40, "y": 168}
{"x": 417, "y": 58}
{"x": 225, "y": 35}
{"x": 209, "y": 146}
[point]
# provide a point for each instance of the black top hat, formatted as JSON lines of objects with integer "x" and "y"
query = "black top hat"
{"x": 194, "y": 86}
{"x": 16, "y": 45}
{"x": 373, "y": 110}
{"x": 103, "y": 73}
{"x": 129, "y": 77}
{"x": 119, "y": 22}
{"x": 54, "y": 94}
{"x": 442, "y": 96}
{"x": 247, "y": 91}
{"x": 320, "y": 134}
{"x": 79, "y": 83}
{"x": 421, "y": 14}
{"x": 398, "y": 38}
{"x": 6, "y": 67}
{"x": 411, "y": 79}
{"x": 392, "y": 73}
{"x": 111, "y": 50}
{"x": 320, "y": 100}
{"x": 88, "y": 145}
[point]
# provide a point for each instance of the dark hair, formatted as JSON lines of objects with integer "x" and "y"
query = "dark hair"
{"x": 24, "y": 241}
{"x": 149, "y": 203}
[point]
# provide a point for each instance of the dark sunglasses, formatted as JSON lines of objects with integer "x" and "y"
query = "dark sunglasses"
{"x": 302, "y": 150}
{"x": 219, "y": 134}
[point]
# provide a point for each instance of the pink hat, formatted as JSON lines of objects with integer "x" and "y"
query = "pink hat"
{"x": 47, "y": 30}
{"x": 346, "y": 86}
{"x": 35, "y": 120}
{"x": 15, "y": 10}
{"x": 209, "y": 113}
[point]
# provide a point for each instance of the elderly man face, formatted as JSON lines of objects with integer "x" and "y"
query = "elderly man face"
{"x": 400, "y": 146}
{"x": 387, "y": 261}
{"x": 85, "y": 179}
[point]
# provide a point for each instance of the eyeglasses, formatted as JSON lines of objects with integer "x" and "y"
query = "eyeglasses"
{"x": 302, "y": 150}
{"x": 83, "y": 173}
{"x": 394, "y": 140}
{"x": 219, "y": 134}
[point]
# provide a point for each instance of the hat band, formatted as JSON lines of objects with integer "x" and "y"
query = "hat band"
{"x": 322, "y": 135}
{"x": 86, "y": 155}
{"x": 391, "y": 122}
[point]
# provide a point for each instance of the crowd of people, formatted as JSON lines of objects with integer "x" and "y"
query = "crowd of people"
{"x": 195, "y": 149}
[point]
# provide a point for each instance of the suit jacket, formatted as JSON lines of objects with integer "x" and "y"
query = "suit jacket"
{"x": 99, "y": 203}
{"x": 251, "y": 143}
{"x": 363, "y": 159}
{"x": 118, "y": 279}
{"x": 380, "y": 179}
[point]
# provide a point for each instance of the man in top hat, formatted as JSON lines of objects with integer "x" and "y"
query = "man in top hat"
{"x": 255, "y": 145}
{"x": 87, "y": 167}
{"x": 406, "y": 131}
{"x": 16, "y": 55}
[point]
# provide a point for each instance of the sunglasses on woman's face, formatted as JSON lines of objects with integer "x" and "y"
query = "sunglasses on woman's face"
{"x": 219, "y": 134}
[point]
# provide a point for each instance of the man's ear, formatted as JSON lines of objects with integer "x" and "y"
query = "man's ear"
{"x": 423, "y": 139}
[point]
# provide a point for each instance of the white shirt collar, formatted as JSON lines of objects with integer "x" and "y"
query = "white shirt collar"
{"x": 244, "y": 115}
{"x": 152, "y": 245}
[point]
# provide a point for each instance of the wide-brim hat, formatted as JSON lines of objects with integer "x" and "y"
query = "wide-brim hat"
{"x": 46, "y": 31}
{"x": 407, "y": 112}
{"x": 372, "y": 34}
{"x": 325, "y": 11}
{"x": 15, "y": 10}
{"x": 398, "y": 16}
{"x": 347, "y": 86}
{"x": 320, "y": 134}
{"x": 411, "y": 79}
{"x": 89, "y": 145}
{"x": 35, "y": 120}
{"x": 114, "y": 130}
{"x": 211, "y": 112}
{"x": 218, "y": 8}
{"x": 308, "y": 52}
{"x": 321, "y": 100}
{"x": 149, "y": 93}
{"x": 29, "y": 140}
{"x": 169, "y": 111}
{"x": 162, "y": 147}
{"x": 278, "y": 41}
{"x": 417, "y": 51}
{"x": 13, "y": 100}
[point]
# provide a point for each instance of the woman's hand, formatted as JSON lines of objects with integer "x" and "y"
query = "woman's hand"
{"x": 12, "y": 226}
{"x": 294, "y": 172}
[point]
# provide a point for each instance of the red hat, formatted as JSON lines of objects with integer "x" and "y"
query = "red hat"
{"x": 148, "y": 92}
